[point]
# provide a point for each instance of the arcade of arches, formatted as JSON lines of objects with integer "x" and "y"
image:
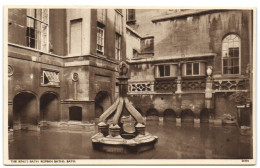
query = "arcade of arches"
{"x": 26, "y": 107}
{"x": 28, "y": 112}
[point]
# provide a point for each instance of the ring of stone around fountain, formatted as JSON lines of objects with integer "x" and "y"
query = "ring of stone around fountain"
{"x": 118, "y": 144}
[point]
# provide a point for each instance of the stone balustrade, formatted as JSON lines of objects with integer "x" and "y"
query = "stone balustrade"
{"x": 140, "y": 87}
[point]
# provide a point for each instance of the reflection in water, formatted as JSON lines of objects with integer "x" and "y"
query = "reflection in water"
{"x": 175, "y": 142}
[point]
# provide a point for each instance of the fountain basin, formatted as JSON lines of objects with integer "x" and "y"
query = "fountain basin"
{"x": 117, "y": 144}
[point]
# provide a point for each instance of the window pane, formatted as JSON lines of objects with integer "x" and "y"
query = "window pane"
{"x": 130, "y": 14}
{"x": 188, "y": 69}
{"x": 100, "y": 38}
{"x": 236, "y": 52}
{"x": 195, "y": 68}
{"x": 161, "y": 70}
{"x": 235, "y": 62}
{"x": 225, "y": 62}
{"x": 231, "y": 63}
{"x": 236, "y": 70}
{"x": 167, "y": 70}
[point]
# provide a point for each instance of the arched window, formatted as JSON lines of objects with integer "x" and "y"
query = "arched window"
{"x": 231, "y": 54}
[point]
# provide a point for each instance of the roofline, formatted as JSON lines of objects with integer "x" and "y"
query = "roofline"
{"x": 186, "y": 14}
{"x": 170, "y": 58}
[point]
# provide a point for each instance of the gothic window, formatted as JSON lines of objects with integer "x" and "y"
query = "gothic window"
{"x": 100, "y": 38}
{"x": 37, "y": 26}
{"x": 231, "y": 54}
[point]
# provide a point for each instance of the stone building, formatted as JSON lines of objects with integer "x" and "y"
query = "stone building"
{"x": 62, "y": 64}
{"x": 185, "y": 63}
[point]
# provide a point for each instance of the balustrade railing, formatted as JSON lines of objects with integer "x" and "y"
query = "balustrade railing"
{"x": 165, "y": 86}
{"x": 188, "y": 85}
{"x": 140, "y": 87}
{"x": 193, "y": 85}
{"x": 229, "y": 84}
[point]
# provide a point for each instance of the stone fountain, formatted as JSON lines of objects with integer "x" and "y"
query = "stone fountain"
{"x": 111, "y": 136}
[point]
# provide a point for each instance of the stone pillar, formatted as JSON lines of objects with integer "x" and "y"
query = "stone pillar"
{"x": 209, "y": 94}
{"x": 140, "y": 129}
{"x": 178, "y": 122}
{"x": 179, "y": 90}
{"x": 103, "y": 128}
{"x": 160, "y": 117}
{"x": 114, "y": 130}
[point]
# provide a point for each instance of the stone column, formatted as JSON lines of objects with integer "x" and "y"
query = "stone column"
{"x": 140, "y": 129}
{"x": 179, "y": 90}
{"x": 209, "y": 94}
{"x": 103, "y": 128}
{"x": 114, "y": 130}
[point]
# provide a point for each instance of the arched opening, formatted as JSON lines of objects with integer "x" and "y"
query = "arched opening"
{"x": 204, "y": 115}
{"x": 75, "y": 113}
{"x": 187, "y": 115}
{"x": 25, "y": 111}
{"x": 231, "y": 46}
{"x": 102, "y": 103}
{"x": 49, "y": 107}
{"x": 152, "y": 115}
{"x": 169, "y": 115}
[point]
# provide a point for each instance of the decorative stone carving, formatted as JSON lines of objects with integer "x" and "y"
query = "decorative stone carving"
{"x": 10, "y": 70}
{"x": 119, "y": 140}
{"x": 75, "y": 76}
{"x": 209, "y": 71}
{"x": 229, "y": 84}
{"x": 140, "y": 87}
{"x": 191, "y": 85}
{"x": 123, "y": 68}
{"x": 165, "y": 86}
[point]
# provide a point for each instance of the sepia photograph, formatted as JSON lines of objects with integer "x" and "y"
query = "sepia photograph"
{"x": 140, "y": 85}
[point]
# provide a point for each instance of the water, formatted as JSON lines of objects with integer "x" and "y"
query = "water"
{"x": 185, "y": 142}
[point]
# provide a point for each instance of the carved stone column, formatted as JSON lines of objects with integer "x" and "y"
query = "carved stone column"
{"x": 179, "y": 90}
{"x": 209, "y": 93}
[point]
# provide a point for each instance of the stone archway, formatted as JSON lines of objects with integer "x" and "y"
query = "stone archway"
{"x": 169, "y": 115}
{"x": 187, "y": 115}
{"x": 25, "y": 111}
{"x": 152, "y": 114}
{"x": 49, "y": 107}
{"x": 102, "y": 103}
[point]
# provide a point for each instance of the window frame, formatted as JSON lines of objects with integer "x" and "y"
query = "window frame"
{"x": 118, "y": 22}
{"x": 100, "y": 27}
{"x": 39, "y": 42}
{"x": 192, "y": 69}
{"x": 223, "y": 50}
{"x": 43, "y": 70}
{"x": 118, "y": 45}
{"x": 164, "y": 71}
{"x": 127, "y": 15}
